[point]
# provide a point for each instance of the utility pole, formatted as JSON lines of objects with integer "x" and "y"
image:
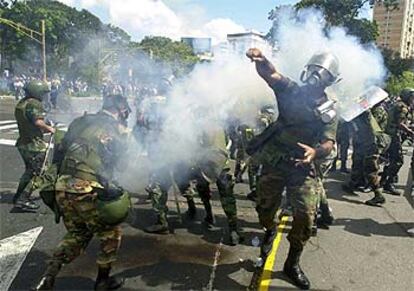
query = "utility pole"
{"x": 39, "y": 37}
{"x": 44, "y": 49}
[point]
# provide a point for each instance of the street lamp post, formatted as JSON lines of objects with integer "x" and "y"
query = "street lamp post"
{"x": 39, "y": 37}
{"x": 44, "y": 49}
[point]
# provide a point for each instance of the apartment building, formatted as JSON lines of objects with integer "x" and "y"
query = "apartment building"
{"x": 396, "y": 27}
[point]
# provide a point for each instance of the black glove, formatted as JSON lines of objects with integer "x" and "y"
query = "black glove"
{"x": 111, "y": 191}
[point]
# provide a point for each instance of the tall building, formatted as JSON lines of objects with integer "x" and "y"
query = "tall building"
{"x": 396, "y": 27}
{"x": 201, "y": 46}
{"x": 240, "y": 42}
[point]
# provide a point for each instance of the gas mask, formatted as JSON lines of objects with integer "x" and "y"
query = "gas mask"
{"x": 317, "y": 76}
{"x": 322, "y": 70}
{"x": 326, "y": 111}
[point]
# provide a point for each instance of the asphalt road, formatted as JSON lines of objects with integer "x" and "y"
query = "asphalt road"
{"x": 368, "y": 248}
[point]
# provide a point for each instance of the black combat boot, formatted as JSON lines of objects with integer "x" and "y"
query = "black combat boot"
{"x": 267, "y": 242}
{"x": 106, "y": 282}
{"x": 326, "y": 218}
{"x": 235, "y": 236}
{"x": 377, "y": 200}
{"x": 24, "y": 204}
{"x": 286, "y": 210}
{"x": 192, "y": 210}
{"x": 252, "y": 196}
{"x": 160, "y": 226}
{"x": 390, "y": 188}
{"x": 293, "y": 271}
{"x": 47, "y": 281}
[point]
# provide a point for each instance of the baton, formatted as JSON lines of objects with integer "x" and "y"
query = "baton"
{"x": 48, "y": 149}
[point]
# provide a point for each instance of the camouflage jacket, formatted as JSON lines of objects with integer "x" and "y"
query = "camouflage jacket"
{"x": 91, "y": 148}
{"x": 27, "y": 111}
{"x": 297, "y": 122}
{"x": 398, "y": 113}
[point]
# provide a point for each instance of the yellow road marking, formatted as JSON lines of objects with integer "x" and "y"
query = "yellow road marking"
{"x": 271, "y": 258}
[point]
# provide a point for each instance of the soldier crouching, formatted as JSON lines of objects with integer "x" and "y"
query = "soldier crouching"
{"x": 90, "y": 203}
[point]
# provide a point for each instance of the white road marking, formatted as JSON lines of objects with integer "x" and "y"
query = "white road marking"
{"x": 10, "y": 126}
{"x": 7, "y": 121}
{"x": 10, "y": 142}
{"x": 13, "y": 252}
{"x": 7, "y": 142}
{"x": 217, "y": 254}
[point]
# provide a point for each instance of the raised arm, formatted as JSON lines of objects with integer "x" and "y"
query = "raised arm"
{"x": 264, "y": 67}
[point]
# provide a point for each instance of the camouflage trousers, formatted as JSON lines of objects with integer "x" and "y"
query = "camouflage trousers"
{"x": 29, "y": 181}
{"x": 80, "y": 217}
{"x": 395, "y": 157}
{"x": 301, "y": 186}
{"x": 365, "y": 168}
{"x": 161, "y": 183}
{"x": 225, "y": 185}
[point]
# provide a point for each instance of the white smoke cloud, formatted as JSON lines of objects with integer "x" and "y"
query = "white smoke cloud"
{"x": 360, "y": 65}
{"x": 154, "y": 17}
{"x": 230, "y": 85}
{"x": 205, "y": 100}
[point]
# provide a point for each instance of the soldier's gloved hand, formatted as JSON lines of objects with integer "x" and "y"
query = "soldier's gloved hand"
{"x": 254, "y": 54}
{"x": 114, "y": 191}
{"x": 111, "y": 191}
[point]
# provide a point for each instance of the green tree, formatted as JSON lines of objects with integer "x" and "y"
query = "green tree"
{"x": 69, "y": 33}
{"x": 177, "y": 55}
{"x": 395, "y": 64}
{"x": 346, "y": 13}
{"x": 396, "y": 83}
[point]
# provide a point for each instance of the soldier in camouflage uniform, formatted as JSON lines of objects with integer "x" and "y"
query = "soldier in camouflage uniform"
{"x": 161, "y": 181}
{"x": 30, "y": 117}
{"x": 343, "y": 139}
{"x": 399, "y": 117}
{"x": 369, "y": 141}
{"x": 162, "y": 176}
{"x": 289, "y": 149}
{"x": 325, "y": 217}
{"x": 265, "y": 117}
{"x": 89, "y": 153}
{"x": 212, "y": 167}
{"x": 209, "y": 167}
{"x": 244, "y": 133}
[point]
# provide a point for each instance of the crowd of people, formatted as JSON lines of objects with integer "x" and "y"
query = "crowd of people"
{"x": 286, "y": 155}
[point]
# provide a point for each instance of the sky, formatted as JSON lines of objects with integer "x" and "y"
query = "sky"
{"x": 177, "y": 18}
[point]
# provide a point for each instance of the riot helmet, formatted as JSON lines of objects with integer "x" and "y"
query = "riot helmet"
{"x": 120, "y": 104}
{"x": 36, "y": 89}
{"x": 322, "y": 70}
